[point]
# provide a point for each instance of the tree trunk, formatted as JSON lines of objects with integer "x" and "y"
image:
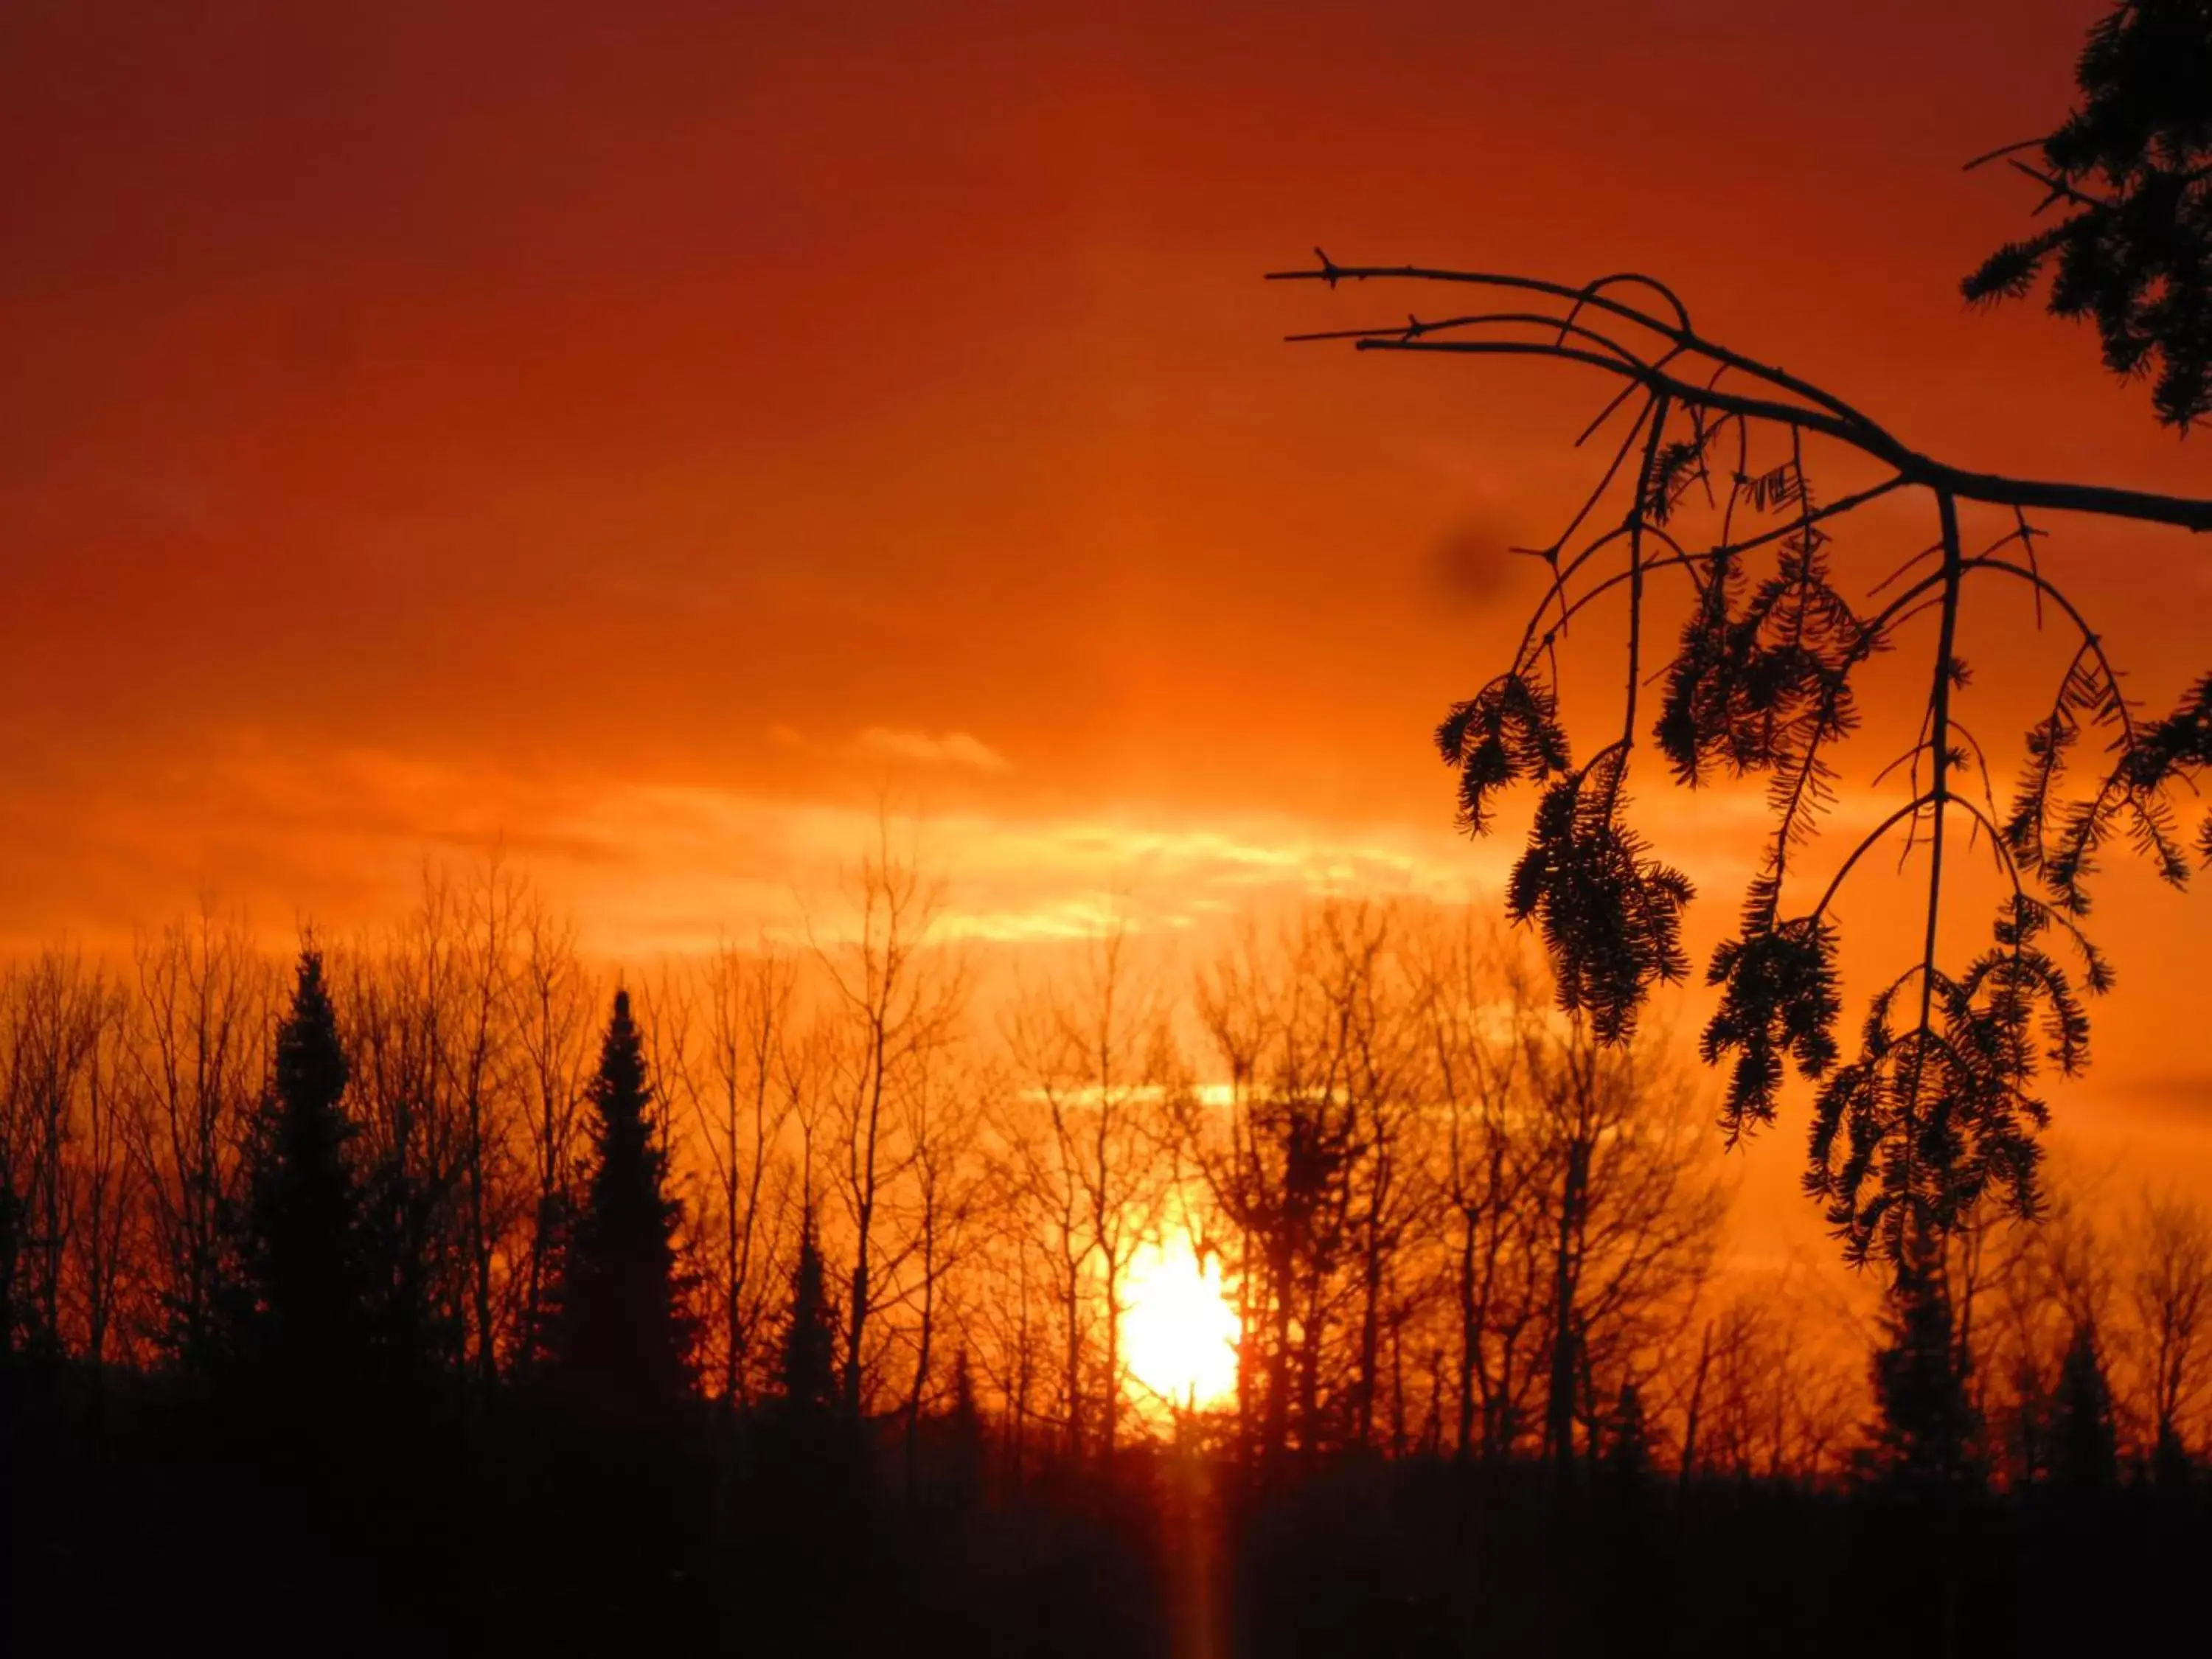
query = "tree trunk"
{"x": 1560, "y": 1405}
{"x": 1697, "y": 1402}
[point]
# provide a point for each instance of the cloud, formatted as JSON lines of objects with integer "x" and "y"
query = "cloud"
{"x": 339, "y": 835}
{"x": 946, "y": 749}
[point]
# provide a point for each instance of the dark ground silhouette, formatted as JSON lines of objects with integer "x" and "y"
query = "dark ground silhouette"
{"x": 323, "y": 1466}
{"x": 178, "y": 1526}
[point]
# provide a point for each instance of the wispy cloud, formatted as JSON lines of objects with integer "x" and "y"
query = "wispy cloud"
{"x": 340, "y": 835}
{"x": 958, "y": 749}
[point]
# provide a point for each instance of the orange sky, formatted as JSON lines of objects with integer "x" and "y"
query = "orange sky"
{"x": 639, "y": 432}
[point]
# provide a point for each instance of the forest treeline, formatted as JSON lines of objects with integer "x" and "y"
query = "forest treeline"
{"x": 834, "y": 1215}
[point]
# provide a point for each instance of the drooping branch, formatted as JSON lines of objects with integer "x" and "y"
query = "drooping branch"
{"x": 1937, "y": 1109}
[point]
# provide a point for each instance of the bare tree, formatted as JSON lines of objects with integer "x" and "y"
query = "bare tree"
{"x": 56, "y": 1091}
{"x": 1094, "y": 1055}
{"x": 556, "y": 1000}
{"x": 1633, "y": 1210}
{"x": 1039, "y": 1155}
{"x": 1480, "y": 1006}
{"x": 943, "y": 1117}
{"x": 1774, "y": 1394}
{"x": 2050, "y": 1283}
{"x": 1004, "y": 1327}
{"x": 755, "y": 1071}
{"x": 1358, "y": 1081}
{"x": 2169, "y": 1288}
{"x": 484, "y": 1067}
{"x": 896, "y": 1005}
{"x": 1369, "y": 997}
{"x": 199, "y": 1060}
{"x": 1277, "y": 1164}
{"x": 105, "y": 1270}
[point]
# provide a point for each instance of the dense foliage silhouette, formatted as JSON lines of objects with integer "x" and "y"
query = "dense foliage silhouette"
{"x": 622, "y": 1330}
{"x": 2130, "y": 174}
{"x": 303, "y": 1300}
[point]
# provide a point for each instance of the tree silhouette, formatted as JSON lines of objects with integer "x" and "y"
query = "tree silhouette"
{"x": 1926, "y": 1431}
{"x": 964, "y": 1437}
{"x": 11, "y": 1359}
{"x": 624, "y": 1332}
{"x": 1628, "y": 1440}
{"x": 2131, "y": 172}
{"x": 415, "y": 1338}
{"x": 305, "y": 1286}
{"x": 2171, "y": 1291}
{"x": 1940, "y": 1107}
{"x": 810, "y": 1387}
{"x": 446, "y": 1512}
{"x": 10, "y": 1238}
{"x": 813, "y": 1456}
{"x": 2085, "y": 1454}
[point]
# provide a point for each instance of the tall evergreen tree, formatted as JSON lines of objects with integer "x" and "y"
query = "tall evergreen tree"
{"x": 1628, "y": 1440}
{"x": 1925, "y": 1439}
{"x": 965, "y": 1450}
{"x": 2085, "y": 1453}
{"x": 2170, "y": 1468}
{"x": 303, "y": 1306}
{"x": 624, "y": 1332}
{"x": 809, "y": 1337}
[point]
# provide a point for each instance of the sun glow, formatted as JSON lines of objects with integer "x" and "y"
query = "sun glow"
{"x": 1178, "y": 1330}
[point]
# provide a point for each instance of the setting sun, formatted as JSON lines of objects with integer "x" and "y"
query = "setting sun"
{"x": 1178, "y": 1330}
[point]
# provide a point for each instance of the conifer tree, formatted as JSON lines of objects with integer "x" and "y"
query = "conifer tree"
{"x": 1628, "y": 1439}
{"x": 1926, "y": 1434}
{"x": 2085, "y": 1450}
{"x": 809, "y": 1378}
{"x": 2129, "y": 173}
{"x": 964, "y": 1436}
{"x": 302, "y": 1303}
{"x": 623, "y": 1335}
{"x": 2170, "y": 1469}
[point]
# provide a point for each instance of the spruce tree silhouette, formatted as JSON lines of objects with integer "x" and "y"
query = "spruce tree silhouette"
{"x": 296, "y": 1332}
{"x": 2085, "y": 1453}
{"x": 1924, "y": 1463}
{"x": 809, "y": 1519}
{"x": 304, "y": 1336}
{"x": 2172, "y": 1468}
{"x": 1628, "y": 1440}
{"x": 965, "y": 1454}
{"x": 808, "y": 1367}
{"x": 1927, "y": 1430}
{"x": 625, "y": 1332}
